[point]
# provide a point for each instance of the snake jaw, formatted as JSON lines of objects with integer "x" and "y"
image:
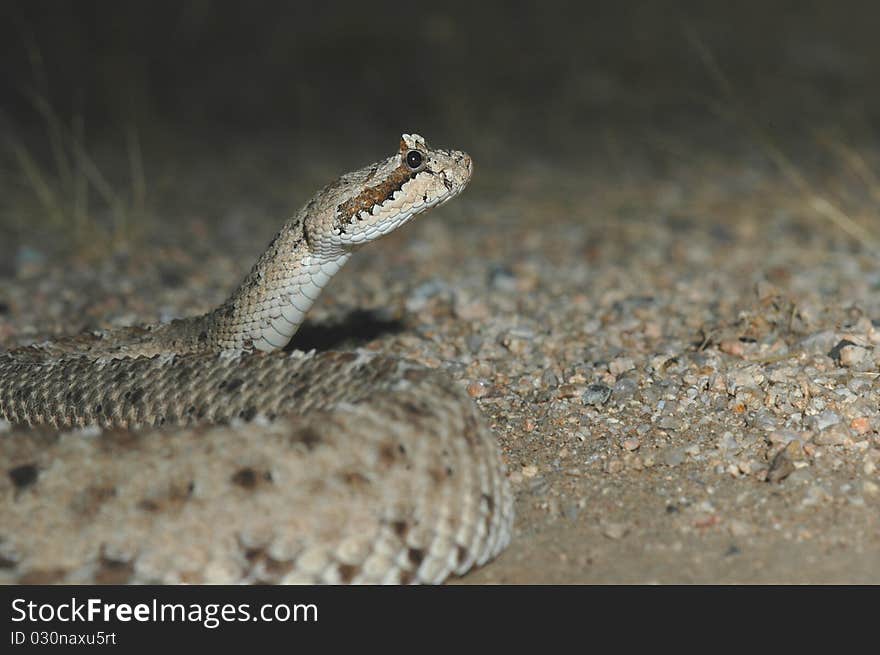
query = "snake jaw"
{"x": 388, "y": 194}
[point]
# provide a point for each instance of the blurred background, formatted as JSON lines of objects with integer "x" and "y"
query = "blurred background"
{"x": 498, "y": 72}
{"x": 113, "y": 112}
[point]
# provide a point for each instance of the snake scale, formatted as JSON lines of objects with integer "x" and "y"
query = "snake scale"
{"x": 200, "y": 451}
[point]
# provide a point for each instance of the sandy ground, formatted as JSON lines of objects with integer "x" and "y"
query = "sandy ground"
{"x": 678, "y": 351}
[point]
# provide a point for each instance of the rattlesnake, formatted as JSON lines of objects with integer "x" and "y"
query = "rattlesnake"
{"x": 200, "y": 451}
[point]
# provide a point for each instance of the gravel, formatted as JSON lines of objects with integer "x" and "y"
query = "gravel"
{"x": 724, "y": 364}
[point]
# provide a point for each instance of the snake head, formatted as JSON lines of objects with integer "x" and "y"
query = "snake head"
{"x": 379, "y": 198}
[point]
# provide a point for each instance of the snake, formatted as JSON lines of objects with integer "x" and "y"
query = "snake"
{"x": 204, "y": 451}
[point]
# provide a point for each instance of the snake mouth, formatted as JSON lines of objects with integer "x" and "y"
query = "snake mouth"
{"x": 455, "y": 186}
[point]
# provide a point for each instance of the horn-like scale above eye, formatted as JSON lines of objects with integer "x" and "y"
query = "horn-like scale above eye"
{"x": 415, "y": 159}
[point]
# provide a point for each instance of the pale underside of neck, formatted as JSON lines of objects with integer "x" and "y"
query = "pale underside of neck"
{"x": 285, "y": 310}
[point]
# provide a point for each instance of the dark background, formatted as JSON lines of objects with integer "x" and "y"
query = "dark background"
{"x": 113, "y": 112}
{"x": 538, "y": 74}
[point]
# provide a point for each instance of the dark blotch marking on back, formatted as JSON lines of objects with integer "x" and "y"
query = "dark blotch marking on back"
{"x": 113, "y": 571}
{"x": 388, "y": 454}
{"x": 176, "y": 495}
{"x": 118, "y": 440}
{"x": 440, "y": 474}
{"x": 248, "y": 478}
{"x": 414, "y": 409}
{"x": 347, "y": 572}
{"x": 24, "y": 476}
{"x": 308, "y": 436}
{"x": 248, "y": 413}
{"x": 231, "y": 385}
{"x": 89, "y": 501}
{"x": 461, "y": 555}
{"x": 400, "y": 528}
{"x": 275, "y": 568}
{"x": 354, "y": 479}
{"x": 415, "y": 555}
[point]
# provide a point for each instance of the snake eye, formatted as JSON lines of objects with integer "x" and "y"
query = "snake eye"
{"x": 414, "y": 159}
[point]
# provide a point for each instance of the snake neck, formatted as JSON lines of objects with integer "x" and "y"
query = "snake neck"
{"x": 269, "y": 306}
{"x": 271, "y": 303}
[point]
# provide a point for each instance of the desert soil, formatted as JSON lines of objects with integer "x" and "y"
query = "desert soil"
{"x": 676, "y": 346}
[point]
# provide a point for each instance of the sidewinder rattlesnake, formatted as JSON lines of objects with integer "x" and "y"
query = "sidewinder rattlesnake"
{"x": 221, "y": 458}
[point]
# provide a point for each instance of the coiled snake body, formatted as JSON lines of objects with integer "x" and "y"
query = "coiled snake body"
{"x": 224, "y": 459}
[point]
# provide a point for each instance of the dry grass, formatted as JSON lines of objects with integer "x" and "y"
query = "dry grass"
{"x": 731, "y": 108}
{"x": 71, "y": 194}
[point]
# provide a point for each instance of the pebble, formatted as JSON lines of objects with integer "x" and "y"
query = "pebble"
{"x": 477, "y": 390}
{"x": 614, "y": 466}
{"x": 615, "y": 530}
{"x": 816, "y": 495}
{"x": 420, "y": 296}
{"x": 860, "y": 425}
{"x": 825, "y": 420}
{"x": 474, "y": 342}
{"x": 836, "y": 435}
{"x": 780, "y": 467}
{"x": 620, "y": 365}
{"x": 739, "y": 528}
{"x": 820, "y": 342}
{"x": 729, "y": 444}
{"x": 631, "y": 444}
{"x": 744, "y": 377}
{"x": 800, "y": 476}
{"x": 501, "y": 278}
{"x": 836, "y": 351}
{"x": 571, "y": 511}
{"x": 513, "y": 341}
{"x": 673, "y": 456}
{"x": 549, "y": 379}
{"x": 625, "y": 388}
{"x": 854, "y": 356}
{"x": 596, "y": 394}
{"x": 669, "y": 423}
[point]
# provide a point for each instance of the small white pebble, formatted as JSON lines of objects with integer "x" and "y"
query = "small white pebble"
{"x": 615, "y": 530}
{"x": 853, "y": 355}
{"x": 620, "y": 365}
{"x": 529, "y": 471}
